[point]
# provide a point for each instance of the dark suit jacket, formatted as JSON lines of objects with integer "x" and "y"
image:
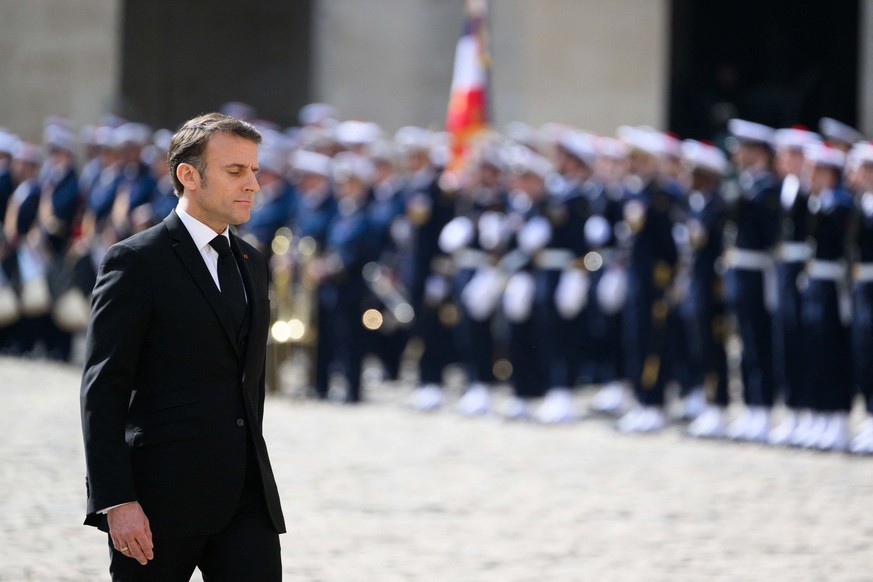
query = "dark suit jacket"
{"x": 168, "y": 399}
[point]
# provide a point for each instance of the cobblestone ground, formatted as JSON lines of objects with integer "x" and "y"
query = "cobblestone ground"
{"x": 376, "y": 493}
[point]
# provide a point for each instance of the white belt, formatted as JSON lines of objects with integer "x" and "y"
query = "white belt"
{"x": 862, "y": 272}
{"x": 469, "y": 258}
{"x": 553, "y": 259}
{"x": 746, "y": 260}
{"x": 826, "y": 270}
{"x": 793, "y": 252}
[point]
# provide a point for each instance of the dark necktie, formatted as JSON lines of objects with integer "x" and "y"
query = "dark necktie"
{"x": 230, "y": 281}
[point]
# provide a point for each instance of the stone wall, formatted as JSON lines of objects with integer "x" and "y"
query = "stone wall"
{"x": 57, "y": 57}
{"x": 595, "y": 64}
{"x": 386, "y": 60}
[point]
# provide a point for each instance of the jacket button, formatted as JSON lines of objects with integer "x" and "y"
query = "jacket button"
{"x": 243, "y": 380}
{"x": 240, "y": 422}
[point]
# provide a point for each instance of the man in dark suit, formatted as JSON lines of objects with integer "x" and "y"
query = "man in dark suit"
{"x": 173, "y": 388}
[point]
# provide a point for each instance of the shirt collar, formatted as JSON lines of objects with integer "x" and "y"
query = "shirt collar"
{"x": 201, "y": 233}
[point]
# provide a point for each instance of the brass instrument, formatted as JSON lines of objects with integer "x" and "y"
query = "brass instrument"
{"x": 294, "y": 304}
{"x": 397, "y": 312}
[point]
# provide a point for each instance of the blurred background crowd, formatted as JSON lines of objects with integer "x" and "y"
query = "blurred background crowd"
{"x": 670, "y": 277}
{"x": 547, "y": 259}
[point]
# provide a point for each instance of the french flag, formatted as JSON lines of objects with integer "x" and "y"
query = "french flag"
{"x": 468, "y": 101}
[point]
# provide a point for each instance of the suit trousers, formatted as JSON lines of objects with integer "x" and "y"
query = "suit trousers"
{"x": 246, "y": 550}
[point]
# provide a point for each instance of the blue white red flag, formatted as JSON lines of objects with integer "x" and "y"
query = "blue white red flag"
{"x": 468, "y": 101}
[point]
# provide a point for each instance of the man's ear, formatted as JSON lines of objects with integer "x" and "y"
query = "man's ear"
{"x": 188, "y": 176}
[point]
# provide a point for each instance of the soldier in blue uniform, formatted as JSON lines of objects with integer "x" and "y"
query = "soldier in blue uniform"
{"x": 339, "y": 274}
{"x": 58, "y": 208}
{"x": 603, "y": 361}
{"x": 750, "y": 236}
{"x": 562, "y": 281}
{"x": 7, "y": 185}
{"x": 100, "y": 197}
{"x": 685, "y": 363}
{"x": 98, "y": 149}
{"x": 137, "y": 185}
{"x": 701, "y": 306}
{"x": 827, "y": 378}
{"x": 316, "y": 210}
{"x": 860, "y": 166}
{"x": 652, "y": 257}
{"x": 529, "y": 228}
{"x": 316, "y": 206}
{"x": 104, "y": 221}
{"x": 384, "y": 212}
{"x": 424, "y": 270}
{"x": 164, "y": 197}
{"x": 474, "y": 239}
{"x": 60, "y": 186}
{"x": 26, "y": 259}
{"x": 792, "y": 252}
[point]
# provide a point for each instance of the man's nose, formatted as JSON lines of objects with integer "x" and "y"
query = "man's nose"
{"x": 252, "y": 183}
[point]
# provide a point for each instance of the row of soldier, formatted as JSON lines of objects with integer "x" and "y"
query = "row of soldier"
{"x": 59, "y": 218}
{"x": 569, "y": 259}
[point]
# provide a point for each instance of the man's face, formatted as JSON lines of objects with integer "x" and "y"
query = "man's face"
{"x": 670, "y": 166}
{"x": 224, "y": 195}
{"x": 315, "y": 183}
{"x": 819, "y": 178}
{"x": 22, "y": 170}
{"x": 489, "y": 176}
{"x": 610, "y": 169}
{"x": 642, "y": 164}
{"x": 533, "y": 186}
{"x": 789, "y": 161}
{"x": 384, "y": 170}
{"x": 60, "y": 157}
{"x": 572, "y": 166}
{"x": 750, "y": 155}
{"x": 351, "y": 188}
{"x": 416, "y": 160}
{"x": 863, "y": 177}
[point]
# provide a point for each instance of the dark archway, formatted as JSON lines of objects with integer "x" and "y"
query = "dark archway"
{"x": 778, "y": 62}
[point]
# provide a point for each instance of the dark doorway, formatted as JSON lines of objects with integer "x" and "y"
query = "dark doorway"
{"x": 777, "y": 62}
{"x": 185, "y": 57}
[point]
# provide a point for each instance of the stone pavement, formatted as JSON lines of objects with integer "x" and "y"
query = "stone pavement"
{"x": 376, "y": 493}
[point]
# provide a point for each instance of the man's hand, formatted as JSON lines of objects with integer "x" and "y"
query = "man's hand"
{"x": 129, "y": 529}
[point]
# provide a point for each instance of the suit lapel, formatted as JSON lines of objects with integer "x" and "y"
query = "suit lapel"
{"x": 192, "y": 259}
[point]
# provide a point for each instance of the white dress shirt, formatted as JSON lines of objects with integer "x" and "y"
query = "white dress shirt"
{"x": 202, "y": 235}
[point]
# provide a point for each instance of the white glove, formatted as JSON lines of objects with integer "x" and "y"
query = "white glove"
{"x": 401, "y": 232}
{"x": 612, "y": 290}
{"x": 493, "y": 230}
{"x": 597, "y": 231}
{"x": 518, "y": 297}
{"x": 571, "y": 295}
{"x": 482, "y": 293}
{"x": 436, "y": 289}
{"x": 456, "y": 234}
{"x": 534, "y": 235}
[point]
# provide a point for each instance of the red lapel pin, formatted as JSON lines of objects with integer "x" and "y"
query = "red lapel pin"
{"x": 245, "y": 256}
